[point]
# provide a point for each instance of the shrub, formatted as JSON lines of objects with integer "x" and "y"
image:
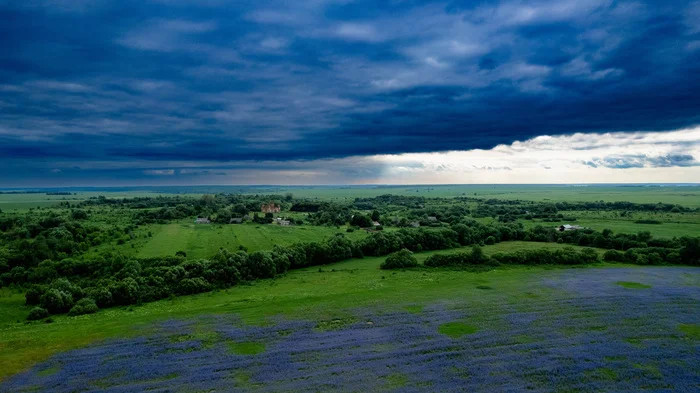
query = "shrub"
{"x": 400, "y": 259}
{"x": 79, "y": 215}
{"x": 190, "y": 286}
{"x": 475, "y": 257}
{"x": 56, "y": 301}
{"x": 261, "y": 265}
{"x": 438, "y": 260}
{"x": 33, "y": 295}
{"x": 66, "y": 286}
{"x": 84, "y": 306}
{"x": 653, "y": 222}
{"x": 102, "y": 296}
{"x": 490, "y": 240}
{"x": 125, "y": 292}
{"x": 37, "y": 313}
{"x": 614, "y": 256}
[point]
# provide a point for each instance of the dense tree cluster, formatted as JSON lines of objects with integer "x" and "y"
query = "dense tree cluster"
{"x": 27, "y": 240}
{"x": 307, "y": 206}
{"x": 332, "y": 214}
{"x": 415, "y": 202}
{"x": 221, "y": 207}
{"x": 475, "y": 257}
{"x": 399, "y": 260}
{"x": 565, "y": 256}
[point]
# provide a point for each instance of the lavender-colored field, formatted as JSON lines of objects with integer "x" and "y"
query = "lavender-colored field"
{"x": 595, "y": 330}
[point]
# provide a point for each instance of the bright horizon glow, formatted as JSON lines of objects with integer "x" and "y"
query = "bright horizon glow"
{"x": 619, "y": 158}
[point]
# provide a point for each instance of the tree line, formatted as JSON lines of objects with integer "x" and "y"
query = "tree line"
{"x": 114, "y": 280}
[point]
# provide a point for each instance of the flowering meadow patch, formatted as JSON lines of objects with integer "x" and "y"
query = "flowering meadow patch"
{"x": 576, "y": 331}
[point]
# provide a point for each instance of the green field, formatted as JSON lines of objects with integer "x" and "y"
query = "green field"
{"x": 671, "y": 224}
{"x": 321, "y": 293}
{"x": 685, "y": 195}
{"x": 23, "y": 202}
{"x": 202, "y": 241}
{"x": 325, "y": 294}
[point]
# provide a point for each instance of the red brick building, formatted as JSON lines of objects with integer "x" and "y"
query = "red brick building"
{"x": 270, "y": 208}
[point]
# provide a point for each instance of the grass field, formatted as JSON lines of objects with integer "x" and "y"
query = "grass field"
{"x": 300, "y": 293}
{"x": 671, "y": 224}
{"x": 344, "y": 295}
{"x": 686, "y": 195}
{"x": 203, "y": 241}
{"x": 23, "y": 202}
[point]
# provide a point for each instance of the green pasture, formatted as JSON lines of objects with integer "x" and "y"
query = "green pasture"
{"x": 23, "y": 202}
{"x": 325, "y": 293}
{"x": 672, "y": 224}
{"x": 202, "y": 241}
{"x": 683, "y": 195}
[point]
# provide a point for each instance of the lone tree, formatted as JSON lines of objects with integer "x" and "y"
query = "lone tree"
{"x": 399, "y": 260}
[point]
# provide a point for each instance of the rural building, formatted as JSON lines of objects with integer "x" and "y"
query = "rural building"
{"x": 567, "y": 227}
{"x": 432, "y": 218}
{"x": 376, "y": 224}
{"x": 202, "y": 220}
{"x": 415, "y": 224}
{"x": 285, "y": 223}
{"x": 236, "y": 221}
{"x": 270, "y": 208}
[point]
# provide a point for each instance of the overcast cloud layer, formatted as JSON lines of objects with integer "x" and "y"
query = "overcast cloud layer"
{"x": 340, "y": 91}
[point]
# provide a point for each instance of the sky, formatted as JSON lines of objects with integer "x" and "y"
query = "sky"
{"x": 187, "y": 92}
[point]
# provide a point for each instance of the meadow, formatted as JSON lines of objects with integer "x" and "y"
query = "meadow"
{"x": 686, "y": 195}
{"x": 348, "y": 325}
{"x": 352, "y": 327}
{"x": 668, "y": 226}
{"x": 203, "y": 241}
{"x": 325, "y": 292}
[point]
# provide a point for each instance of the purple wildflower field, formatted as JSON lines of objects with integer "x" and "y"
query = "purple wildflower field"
{"x": 587, "y": 334}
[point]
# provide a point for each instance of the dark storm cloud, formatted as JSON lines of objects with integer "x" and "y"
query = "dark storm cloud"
{"x": 157, "y": 80}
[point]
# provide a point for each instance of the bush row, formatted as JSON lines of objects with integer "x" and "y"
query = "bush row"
{"x": 113, "y": 280}
{"x": 565, "y": 256}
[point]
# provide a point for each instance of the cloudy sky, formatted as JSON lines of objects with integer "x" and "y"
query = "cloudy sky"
{"x": 123, "y": 92}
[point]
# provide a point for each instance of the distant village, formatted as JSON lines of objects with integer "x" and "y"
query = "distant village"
{"x": 267, "y": 208}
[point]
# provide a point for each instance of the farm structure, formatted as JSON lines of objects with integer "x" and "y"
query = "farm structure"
{"x": 202, "y": 220}
{"x": 567, "y": 227}
{"x": 270, "y": 208}
{"x": 282, "y": 221}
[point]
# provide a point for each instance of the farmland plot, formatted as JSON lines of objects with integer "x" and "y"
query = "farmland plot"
{"x": 595, "y": 331}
